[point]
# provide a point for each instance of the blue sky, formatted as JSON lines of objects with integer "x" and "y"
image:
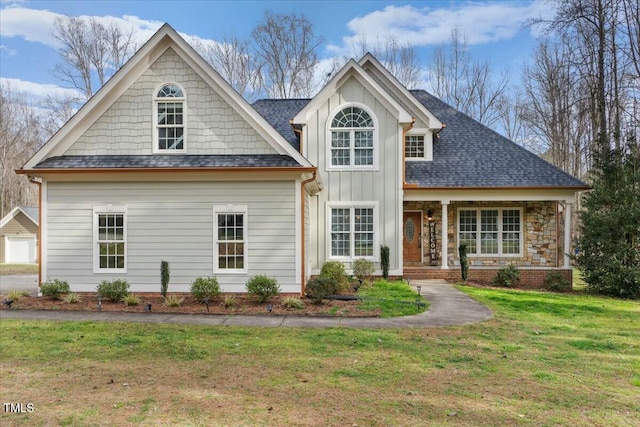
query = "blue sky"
{"x": 494, "y": 29}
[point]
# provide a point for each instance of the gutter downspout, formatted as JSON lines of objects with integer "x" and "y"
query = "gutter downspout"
{"x": 33, "y": 180}
{"x": 404, "y": 133}
{"x": 303, "y": 267}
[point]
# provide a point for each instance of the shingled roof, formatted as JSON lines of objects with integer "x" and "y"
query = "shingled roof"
{"x": 467, "y": 154}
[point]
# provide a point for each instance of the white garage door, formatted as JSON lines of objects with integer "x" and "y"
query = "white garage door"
{"x": 20, "y": 249}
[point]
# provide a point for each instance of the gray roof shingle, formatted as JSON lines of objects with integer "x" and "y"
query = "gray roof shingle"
{"x": 278, "y": 112}
{"x": 32, "y": 212}
{"x": 167, "y": 161}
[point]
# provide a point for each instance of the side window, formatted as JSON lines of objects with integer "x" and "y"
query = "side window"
{"x": 230, "y": 239}
{"x": 110, "y": 239}
{"x": 352, "y": 140}
{"x": 169, "y": 119}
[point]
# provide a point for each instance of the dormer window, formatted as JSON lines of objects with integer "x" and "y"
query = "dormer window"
{"x": 169, "y": 118}
{"x": 418, "y": 145}
{"x": 353, "y": 140}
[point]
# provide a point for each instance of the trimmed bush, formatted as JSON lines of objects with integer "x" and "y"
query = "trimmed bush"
{"x": 384, "y": 261}
{"x": 172, "y": 301}
{"x": 321, "y": 287}
{"x": 54, "y": 289}
{"x": 229, "y": 301}
{"x": 72, "y": 298}
{"x": 464, "y": 261}
{"x": 293, "y": 302}
{"x": 363, "y": 269}
{"x": 507, "y": 277}
{"x": 164, "y": 278}
{"x": 114, "y": 290}
{"x": 263, "y": 287}
{"x": 554, "y": 281}
{"x": 335, "y": 270}
{"x": 205, "y": 287}
{"x": 131, "y": 299}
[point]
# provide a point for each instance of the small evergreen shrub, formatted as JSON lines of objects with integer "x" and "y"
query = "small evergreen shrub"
{"x": 507, "y": 277}
{"x": 321, "y": 287}
{"x": 335, "y": 270}
{"x": 464, "y": 261}
{"x": 229, "y": 301}
{"x": 263, "y": 287}
{"x": 384, "y": 261}
{"x": 554, "y": 281}
{"x": 363, "y": 269}
{"x": 54, "y": 289}
{"x": 114, "y": 290}
{"x": 72, "y": 298}
{"x": 172, "y": 301}
{"x": 164, "y": 278}
{"x": 293, "y": 302}
{"x": 205, "y": 287}
{"x": 131, "y": 299}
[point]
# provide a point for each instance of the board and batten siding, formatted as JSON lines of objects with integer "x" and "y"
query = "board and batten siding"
{"x": 171, "y": 221}
{"x": 381, "y": 185}
{"x": 212, "y": 125}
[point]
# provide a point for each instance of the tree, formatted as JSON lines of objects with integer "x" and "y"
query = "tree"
{"x": 90, "y": 52}
{"x": 20, "y": 136}
{"x": 610, "y": 239}
{"x": 285, "y": 46}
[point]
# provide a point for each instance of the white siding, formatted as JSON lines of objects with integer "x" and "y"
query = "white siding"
{"x": 382, "y": 185}
{"x": 174, "y": 222}
{"x": 213, "y": 127}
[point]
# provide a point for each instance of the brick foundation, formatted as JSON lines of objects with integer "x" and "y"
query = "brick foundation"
{"x": 530, "y": 278}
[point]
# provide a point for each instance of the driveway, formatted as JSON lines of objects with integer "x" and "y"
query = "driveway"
{"x": 20, "y": 282}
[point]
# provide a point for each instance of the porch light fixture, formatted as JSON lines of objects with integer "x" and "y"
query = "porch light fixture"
{"x": 429, "y": 214}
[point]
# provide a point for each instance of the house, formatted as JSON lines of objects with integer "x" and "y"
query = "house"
{"x": 19, "y": 235}
{"x": 168, "y": 162}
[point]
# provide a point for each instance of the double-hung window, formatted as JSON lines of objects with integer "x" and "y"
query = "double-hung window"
{"x": 230, "y": 248}
{"x": 491, "y": 231}
{"x": 352, "y": 231}
{"x": 169, "y": 106}
{"x": 110, "y": 239}
{"x": 352, "y": 142}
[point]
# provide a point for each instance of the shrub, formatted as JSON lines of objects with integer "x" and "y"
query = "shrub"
{"x": 554, "y": 281}
{"x": 263, "y": 287}
{"x": 464, "y": 261}
{"x": 321, "y": 287}
{"x": 229, "y": 301}
{"x": 384, "y": 261}
{"x": 131, "y": 299}
{"x": 113, "y": 291}
{"x": 53, "y": 290}
{"x": 335, "y": 270}
{"x": 293, "y": 302}
{"x": 164, "y": 278}
{"x": 15, "y": 294}
{"x": 172, "y": 301}
{"x": 205, "y": 287}
{"x": 507, "y": 277}
{"x": 72, "y": 298}
{"x": 363, "y": 269}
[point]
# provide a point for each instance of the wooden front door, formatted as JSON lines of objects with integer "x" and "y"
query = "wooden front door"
{"x": 412, "y": 236}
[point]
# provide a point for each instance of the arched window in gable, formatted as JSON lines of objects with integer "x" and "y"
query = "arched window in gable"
{"x": 169, "y": 119}
{"x": 353, "y": 139}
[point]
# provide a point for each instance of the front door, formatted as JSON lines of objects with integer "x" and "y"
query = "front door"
{"x": 412, "y": 236}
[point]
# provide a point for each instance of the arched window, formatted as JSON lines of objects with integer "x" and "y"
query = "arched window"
{"x": 169, "y": 117}
{"x": 352, "y": 139}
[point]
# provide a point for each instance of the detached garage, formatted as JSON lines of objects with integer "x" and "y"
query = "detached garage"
{"x": 19, "y": 235}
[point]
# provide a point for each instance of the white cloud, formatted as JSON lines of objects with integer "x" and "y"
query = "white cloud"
{"x": 480, "y": 22}
{"x": 7, "y": 50}
{"x": 37, "y": 91}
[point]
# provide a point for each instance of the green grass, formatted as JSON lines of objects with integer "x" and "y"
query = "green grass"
{"x": 6, "y": 269}
{"x": 543, "y": 360}
{"x": 393, "y": 298}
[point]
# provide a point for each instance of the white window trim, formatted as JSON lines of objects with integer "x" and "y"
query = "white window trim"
{"x": 500, "y": 232}
{"x": 376, "y": 148}
{"x": 376, "y": 230}
{"x": 154, "y": 120}
{"x": 428, "y": 144}
{"x": 231, "y": 209}
{"x": 109, "y": 209}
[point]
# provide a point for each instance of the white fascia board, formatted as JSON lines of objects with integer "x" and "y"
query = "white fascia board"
{"x": 352, "y": 69}
{"x": 8, "y": 217}
{"x": 400, "y": 91}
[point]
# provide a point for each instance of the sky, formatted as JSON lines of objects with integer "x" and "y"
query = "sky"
{"x": 494, "y": 30}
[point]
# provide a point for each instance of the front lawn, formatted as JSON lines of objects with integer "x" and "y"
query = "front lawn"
{"x": 393, "y": 299}
{"x": 7, "y": 269}
{"x": 544, "y": 359}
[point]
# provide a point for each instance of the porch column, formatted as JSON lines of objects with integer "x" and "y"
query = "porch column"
{"x": 567, "y": 233}
{"x": 445, "y": 243}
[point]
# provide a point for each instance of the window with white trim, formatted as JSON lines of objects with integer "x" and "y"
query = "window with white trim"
{"x": 352, "y": 139}
{"x": 169, "y": 118}
{"x": 230, "y": 228}
{"x": 110, "y": 239}
{"x": 414, "y": 147}
{"x": 491, "y": 231}
{"x": 352, "y": 232}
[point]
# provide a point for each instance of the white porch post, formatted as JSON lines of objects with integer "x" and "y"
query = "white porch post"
{"x": 567, "y": 233}
{"x": 445, "y": 243}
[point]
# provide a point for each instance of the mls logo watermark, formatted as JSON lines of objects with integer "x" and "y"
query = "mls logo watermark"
{"x": 19, "y": 408}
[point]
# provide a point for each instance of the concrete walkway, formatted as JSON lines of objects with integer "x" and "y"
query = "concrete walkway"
{"x": 449, "y": 307}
